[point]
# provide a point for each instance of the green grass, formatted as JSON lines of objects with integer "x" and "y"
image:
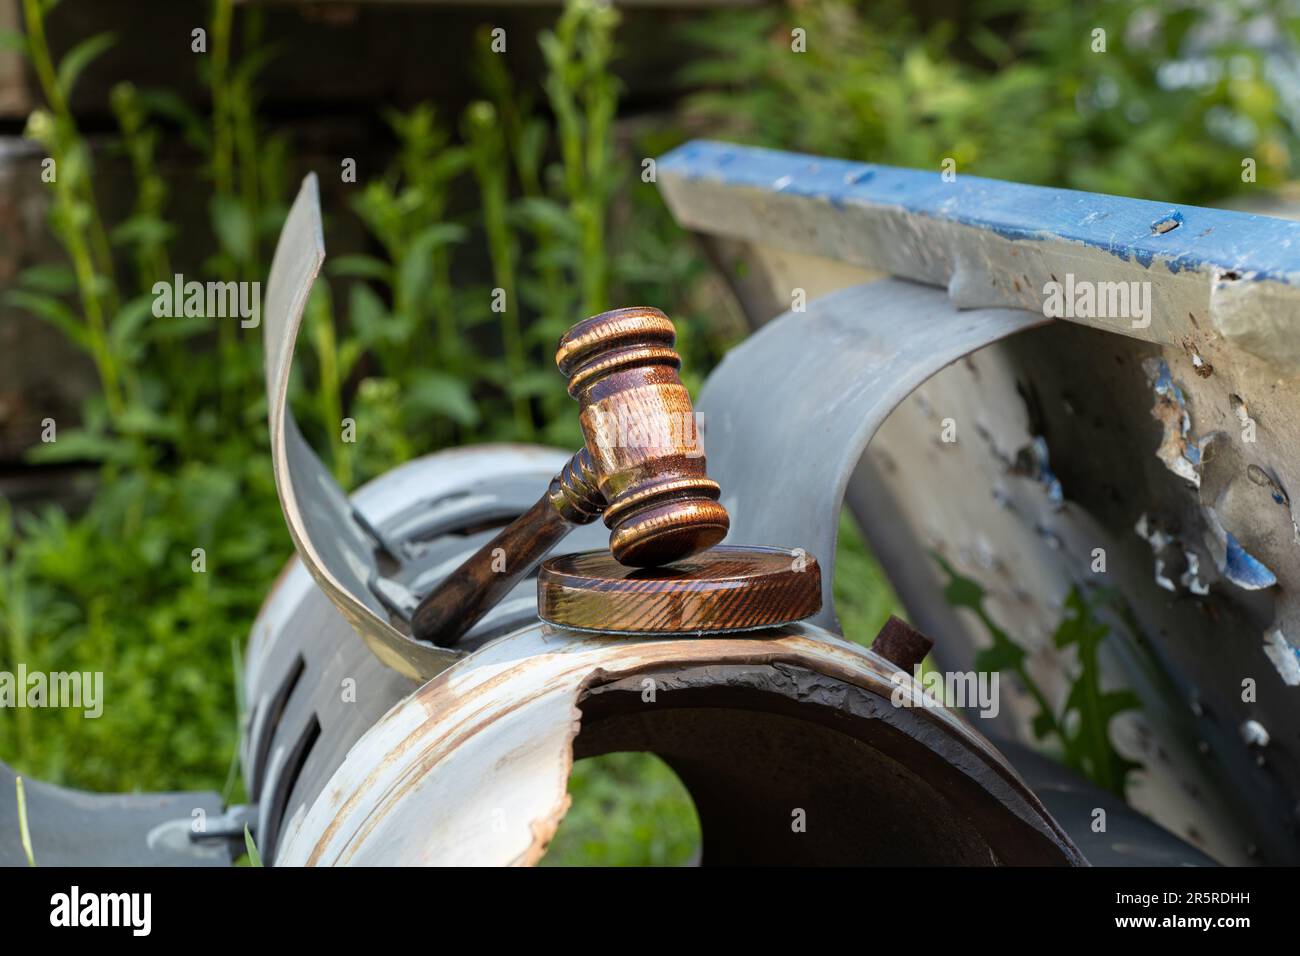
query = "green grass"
{"x": 863, "y": 598}
{"x": 629, "y": 809}
{"x": 24, "y": 832}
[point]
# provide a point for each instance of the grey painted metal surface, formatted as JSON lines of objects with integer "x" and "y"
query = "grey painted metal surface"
{"x": 1129, "y": 838}
{"x": 76, "y": 828}
{"x": 1174, "y": 444}
{"x": 783, "y": 453}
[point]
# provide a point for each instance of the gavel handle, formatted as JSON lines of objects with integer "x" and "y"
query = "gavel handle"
{"x": 474, "y": 588}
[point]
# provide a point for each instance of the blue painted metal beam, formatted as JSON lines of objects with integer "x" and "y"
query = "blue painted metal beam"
{"x": 1177, "y": 237}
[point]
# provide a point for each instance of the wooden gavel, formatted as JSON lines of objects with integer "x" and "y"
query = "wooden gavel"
{"x": 642, "y": 467}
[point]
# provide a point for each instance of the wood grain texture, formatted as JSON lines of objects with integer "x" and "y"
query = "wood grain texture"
{"x": 478, "y": 585}
{"x": 643, "y": 436}
{"x": 642, "y": 466}
{"x": 723, "y": 589}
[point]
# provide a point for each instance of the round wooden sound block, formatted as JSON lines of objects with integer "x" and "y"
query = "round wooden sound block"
{"x": 717, "y": 591}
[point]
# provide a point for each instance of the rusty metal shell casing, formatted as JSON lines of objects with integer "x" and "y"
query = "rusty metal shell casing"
{"x": 642, "y": 435}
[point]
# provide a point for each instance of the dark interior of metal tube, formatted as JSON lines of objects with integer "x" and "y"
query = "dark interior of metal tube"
{"x": 790, "y": 767}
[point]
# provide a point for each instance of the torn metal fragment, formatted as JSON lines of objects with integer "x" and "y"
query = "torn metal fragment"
{"x": 1159, "y": 541}
{"x": 1284, "y": 657}
{"x": 1151, "y": 534}
{"x": 1191, "y": 577}
{"x": 1253, "y": 733}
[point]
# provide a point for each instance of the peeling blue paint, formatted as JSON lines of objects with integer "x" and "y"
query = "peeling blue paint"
{"x": 1245, "y": 570}
{"x": 1213, "y": 240}
{"x": 1179, "y": 449}
{"x": 1167, "y": 223}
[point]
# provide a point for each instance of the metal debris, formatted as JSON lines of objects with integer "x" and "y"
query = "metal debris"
{"x": 1191, "y": 577}
{"x": 1159, "y": 542}
{"x": 1284, "y": 657}
{"x": 1152, "y": 535}
{"x": 1253, "y": 734}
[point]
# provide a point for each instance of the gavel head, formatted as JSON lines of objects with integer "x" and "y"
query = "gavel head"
{"x": 643, "y": 436}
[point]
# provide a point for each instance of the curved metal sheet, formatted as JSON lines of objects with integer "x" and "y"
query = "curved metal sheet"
{"x": 303, "y": 654}
{"x": 473, "y": 768}
{"x": 333, "y": 546}
{"x": 783, "y": 452}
